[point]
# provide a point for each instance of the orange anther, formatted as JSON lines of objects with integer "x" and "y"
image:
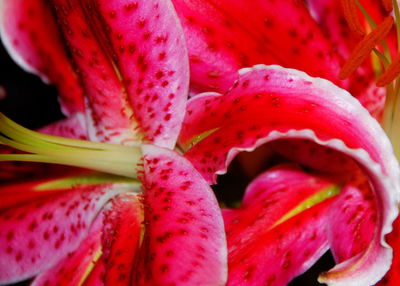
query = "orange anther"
{"x": 388, "y": 5}
{"x": 351, "y": 16}
{"x": 363, "y": 49}
{"x": 390, "y": 73}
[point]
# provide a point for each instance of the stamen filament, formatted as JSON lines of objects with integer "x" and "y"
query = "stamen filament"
{"x": 12, "y": 129}
{"x": 116, "y": 168}
{"x": 373, "y": 25}
{"x": 111, "y": 155}
{"x": 382, "y": 57}
{"x": 112, "y": 159}
{"x": 369, "y": 19}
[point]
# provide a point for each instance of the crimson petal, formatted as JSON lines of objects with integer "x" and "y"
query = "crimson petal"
{"x": 37, "y": 234}
{"x": 270, "y": 103}
{"x": 184, "y": 242}
{"x": 133, "y": 66}
{"x": 279, "y": 231}
{"x": 121, "y": 239}
{"x": 30, "y": 34}
{"x": 224, "y": 36}
{"x": 75, "y": 267}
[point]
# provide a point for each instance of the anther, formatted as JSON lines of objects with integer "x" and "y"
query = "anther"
{"x": 391, "y": 73}
{"x": 351, "y": 16}
{"x": 363, "y": 49}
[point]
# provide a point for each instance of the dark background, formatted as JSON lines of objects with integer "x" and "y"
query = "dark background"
{"x": 28, "y": 101}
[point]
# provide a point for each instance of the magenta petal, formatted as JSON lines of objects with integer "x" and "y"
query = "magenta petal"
{"x": 150, "y": 51}
{"x": 109, "y": 115}
{"x": 184, "y": 242}
{"x": 72, "y": 127}
{"x": 263, "y": 250}
{"x": 271, "y": 103}
{"x": 15, "y": 193}
{"x": 133, "y": 65}
{"x": 354, "y": 217}
{"x": 96, "y": 276}
{"x": 72, "y": 270}
{"x": 314, "y": 156}
{"x": 121, "y": 239}
{"x": 226, "y": 35}
{"x": 29, "y": 32}
{"x": 36, "y": 235}
{"x": 392, "y": 277}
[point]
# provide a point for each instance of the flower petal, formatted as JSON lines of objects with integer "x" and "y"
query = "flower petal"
{"x": 270, "y": 103}
{"x": 184, "y": 242}
{"x": 29, "y": 32}
{"x": 148, "y": 34}
{"x": 133, "y": 66}
{"x": 121, "y": 238}
{"x": 109, "y": 115}
{"x": 222, "y": 39}
{"x": 393, "y": 276}
{"x": 279, "y": 231}
{"x": 37, "y": 234}
{"x": 16, "y": 171}
{"x": 354, "y": 218}
{"x": 15, "y": 193}
{"x": 71, "y": 127}
{"x": 76, "y": 266}
{"x": 95, "y": 277}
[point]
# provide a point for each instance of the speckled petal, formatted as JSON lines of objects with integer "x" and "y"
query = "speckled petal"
{"x": 37, "y": 234}
{"x": 269, "y": 242}
{"x": 271, "y": 103}
{"x": 184, "y": 241}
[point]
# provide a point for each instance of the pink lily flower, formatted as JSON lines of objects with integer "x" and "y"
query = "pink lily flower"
{"x": 292, "y": 233}
{"x": 89, "y": 228}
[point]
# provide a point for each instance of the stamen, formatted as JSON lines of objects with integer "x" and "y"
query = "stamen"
{"x": 391, "y": 73}
{"x": 388, "y": 5}
{"x": 351, "y": 16}
{"x": 364, "y": 48}
{"x": 112, "y": 159}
